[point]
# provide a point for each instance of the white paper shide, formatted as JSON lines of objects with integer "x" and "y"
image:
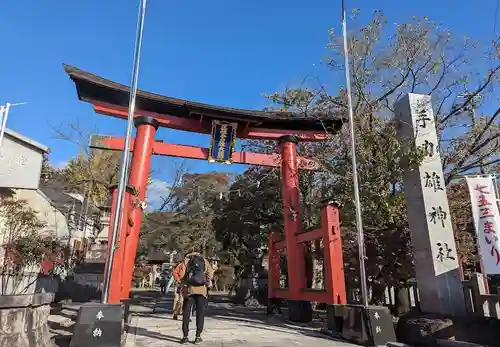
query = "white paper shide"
{"x": 486, "y": 221}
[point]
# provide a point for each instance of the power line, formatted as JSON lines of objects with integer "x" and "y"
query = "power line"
{"x": 496, "y": 18}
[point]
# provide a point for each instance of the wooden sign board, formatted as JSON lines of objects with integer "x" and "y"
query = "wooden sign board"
{"x": 222, "y": 142}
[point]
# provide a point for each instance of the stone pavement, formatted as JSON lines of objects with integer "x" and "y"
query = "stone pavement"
{"x": 225, "y": 325}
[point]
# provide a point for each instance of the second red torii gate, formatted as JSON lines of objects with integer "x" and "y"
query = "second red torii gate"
{"x": 110, "y": 98}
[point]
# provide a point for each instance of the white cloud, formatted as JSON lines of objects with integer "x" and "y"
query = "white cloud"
{"x": 60, "y": 165}
{"x": 156, "y": 190}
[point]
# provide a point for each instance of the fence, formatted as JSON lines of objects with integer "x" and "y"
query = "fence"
{"x": 477, "y": 302}
{"x": 410, "y": 290}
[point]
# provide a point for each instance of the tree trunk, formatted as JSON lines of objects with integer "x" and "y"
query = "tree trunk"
{"x": 251, "y": 290}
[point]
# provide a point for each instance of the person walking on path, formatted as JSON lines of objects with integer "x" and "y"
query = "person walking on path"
{"x": 163, "y": 283}
{"x": 176, "y": 278}
{"x": 197, "y": 274}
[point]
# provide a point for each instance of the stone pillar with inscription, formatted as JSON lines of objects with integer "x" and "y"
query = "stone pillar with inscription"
{"x": 434, "y": 249}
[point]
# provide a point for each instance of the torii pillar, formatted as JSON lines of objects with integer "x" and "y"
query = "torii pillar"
{"x": 116, "y": 287}
{"x": 140, "y": 168}
{"x": 291, "y": 214}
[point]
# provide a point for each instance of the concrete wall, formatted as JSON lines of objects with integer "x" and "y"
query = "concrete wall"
{"x": 57, "y": 225}
{"x": 20, "y": 161}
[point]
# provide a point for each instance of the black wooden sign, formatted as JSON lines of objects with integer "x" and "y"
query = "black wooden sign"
{"x": 98, "y": 325}
{"x": 368, "y": 326}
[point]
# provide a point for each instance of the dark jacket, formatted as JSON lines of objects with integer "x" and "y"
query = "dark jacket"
{"x": 187, "y": 289}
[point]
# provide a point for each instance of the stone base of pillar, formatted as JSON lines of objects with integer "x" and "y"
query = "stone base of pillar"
{"x": 299, "y": 311}
{"x": 126, "y": 311}
{"x": 334, "y": 320}
{"x": 99, "y": 325}
{"x": 273, "y": 306}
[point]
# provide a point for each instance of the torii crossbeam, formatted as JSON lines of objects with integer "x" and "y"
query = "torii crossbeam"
{"x": 192, "y": 152}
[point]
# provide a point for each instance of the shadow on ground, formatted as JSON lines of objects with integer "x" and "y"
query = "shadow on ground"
{"x": 222, "y": 308}
{"x": 153, "y": 304}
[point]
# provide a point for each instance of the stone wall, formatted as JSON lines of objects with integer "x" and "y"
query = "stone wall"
{"x": 28, "y": 283}
{"x": 23, "y": 320}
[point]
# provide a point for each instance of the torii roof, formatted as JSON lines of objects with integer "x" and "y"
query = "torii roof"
{"x": 95, "y": 89}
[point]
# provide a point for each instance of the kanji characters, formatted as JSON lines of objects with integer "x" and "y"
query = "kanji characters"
{"x": 433, "y": 181}
{"x": 422, "y": 119}
{"x": 444, "y": 252}
{"x": 481, "y": 189}
{"x": 485, "y": 212}
{"x": 438, "y": 214}
{"x": 482, "y": 201}
{"x": 428, "y": 148}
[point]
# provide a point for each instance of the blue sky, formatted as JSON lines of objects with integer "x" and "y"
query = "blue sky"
{"x": 219, "y": 52}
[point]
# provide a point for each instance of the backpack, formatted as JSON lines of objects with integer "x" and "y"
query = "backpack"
{"x": 195, "y": 274}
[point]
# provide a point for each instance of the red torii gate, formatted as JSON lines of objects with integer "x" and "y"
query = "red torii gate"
{"x": 154, "y": 111}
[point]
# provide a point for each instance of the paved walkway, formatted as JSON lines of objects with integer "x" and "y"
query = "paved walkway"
{"x": 225, "y": 325}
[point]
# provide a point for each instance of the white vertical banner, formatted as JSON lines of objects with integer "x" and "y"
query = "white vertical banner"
{"x": 486, "y": 221}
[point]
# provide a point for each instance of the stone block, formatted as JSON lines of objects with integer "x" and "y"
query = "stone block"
{"x": 421, "y": 329}
{"x": 23, "y": 320}
{"x": 299, "y": 311}
{"x": 334, "y": 318}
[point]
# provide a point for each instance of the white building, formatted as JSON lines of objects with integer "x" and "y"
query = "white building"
{"x": 66, "y": 215}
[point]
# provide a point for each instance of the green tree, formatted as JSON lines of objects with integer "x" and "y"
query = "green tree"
{"x": 92, "y": 174}
{"x": 186, "y": 220}
{"x": 248, "y": 213}
{"x": 420, "y": 57}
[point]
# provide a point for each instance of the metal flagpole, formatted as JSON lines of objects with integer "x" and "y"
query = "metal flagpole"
{"x": 126, "y": 152}
{"x": 2, "y": 125}
{"x": 4, "y": 112}
{"x": 359, "y": 218}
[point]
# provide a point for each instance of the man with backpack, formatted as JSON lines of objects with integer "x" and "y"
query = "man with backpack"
{"x": 197, "y": 275}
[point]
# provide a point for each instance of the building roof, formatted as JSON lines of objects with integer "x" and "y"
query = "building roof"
{"x": 26, "y": 140}
{"x": 157, "y": 256}
{"x": 92, "y": 89}
{"x": 59, "y": 197}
